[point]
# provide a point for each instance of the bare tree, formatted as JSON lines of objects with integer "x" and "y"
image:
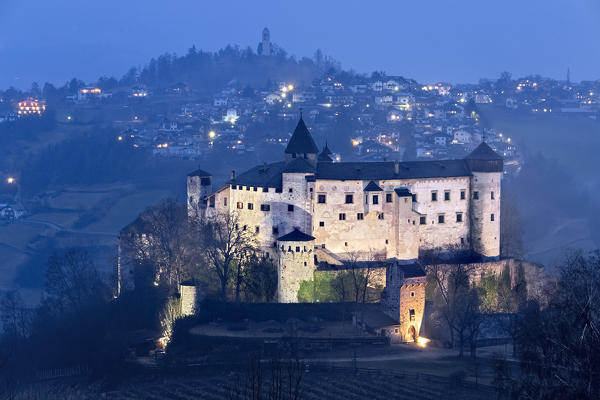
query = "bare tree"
{"x": 160, "y": 237}
{"x": 224, "y": 243}
{"x": 456, "y": 299}
{"x": 72, "y": 281}
{"x": 362, "y": 269}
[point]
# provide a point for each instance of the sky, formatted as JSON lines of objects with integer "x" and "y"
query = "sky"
{"x": 429, "y": 40}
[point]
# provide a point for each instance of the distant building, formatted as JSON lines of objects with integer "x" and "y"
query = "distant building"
{"x": 30, "y": 107}
{"x": 264, "y": 47}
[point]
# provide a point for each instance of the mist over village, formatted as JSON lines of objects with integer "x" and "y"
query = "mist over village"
{"x": 248, "y": 219}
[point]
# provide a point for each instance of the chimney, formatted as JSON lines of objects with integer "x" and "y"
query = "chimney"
{"x": 397, "y": 167}
{"x": 233, "y": 174}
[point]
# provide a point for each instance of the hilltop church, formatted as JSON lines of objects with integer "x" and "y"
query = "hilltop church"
{"x": 309, "y": 211}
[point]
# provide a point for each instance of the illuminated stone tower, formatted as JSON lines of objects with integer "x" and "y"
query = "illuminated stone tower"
{"x": 296, "y": 264}
{"x": 486, "y": 166}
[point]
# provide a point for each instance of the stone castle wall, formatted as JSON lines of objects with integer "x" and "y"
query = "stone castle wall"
{"x": 485, "y": 216}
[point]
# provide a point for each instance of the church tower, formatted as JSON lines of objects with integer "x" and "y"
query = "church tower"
{"x": 264, "y": 47}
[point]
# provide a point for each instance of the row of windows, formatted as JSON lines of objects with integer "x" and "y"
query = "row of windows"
{"x": 322, "y": 198}
{"x": 255, "y": 188}
{"x": 442, "y": 218}
{"x": 359, "y": 217}
{"x": 463, "y": 195}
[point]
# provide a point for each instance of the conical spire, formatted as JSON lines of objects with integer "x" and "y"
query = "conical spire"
{"x": 301, "y": 141}
{"x": 325, "y": 155}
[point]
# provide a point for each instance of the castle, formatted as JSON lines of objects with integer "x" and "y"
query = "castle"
{"x": 308, "y": 211}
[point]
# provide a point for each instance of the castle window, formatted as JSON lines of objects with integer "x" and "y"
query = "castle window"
{"x": 258, "y": 229}
{"x": 441, "y": 219}
{"x": 297, "y": 249}
{"x": 459, "y": 217}
{"x": 225, "y": 201}
{"x": 349, "y": 199}
{"x": 380, "y": 216}
{"x": 412, "y": 294}
{"x": 434, "y": 196}
{"x": 492, "y": 217}
{"x": 305, "y": 263}
{"x": 375, "y": 199}
{"x": 250, "y": 206}
{"x": 321, "y": 223}
{"x": 360, "y": 216}
{"x": 233, "y": 187}
{"x": 463, "y": 194}
{"x": 492, "y": 195}
{"x": 411, "y": 314}
{"x": 277, "y": 190}
{"x": 255, "y": 188}
{"x": 346, "y": 244}
{"x": 462, "y": 240}
{"x": 447, "y": 195}
{"x": 293, "y": 155}
{"x": 321, "y": 199}
{"x": 310, "y": 190}
{"x": 240, "y": 187}
{"x": 211, "y": 202}
{"x": 275, "y": 230}
{"x": 266, "y": 190}
{"x": 290, "y": 207}
{"x": 290, "y": 190}
{"x": 387, "y": 241}
{"x": 248, "y": 188}
{"x": 388, "y": 198}
{"x": 475, "y": 195}
{"x": 395, "y": 330}
{"x": 342, "y": 216}
{"x": 422, "y": 220}
{"x": 245, "y": 227}
{"x": 265, "y": 207}
{"x": 191, "y": 199}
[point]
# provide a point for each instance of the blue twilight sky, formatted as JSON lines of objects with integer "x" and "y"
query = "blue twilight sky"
{"x": 430, "y": 40}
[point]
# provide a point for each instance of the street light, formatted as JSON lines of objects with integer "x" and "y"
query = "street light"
{"x": 10, "y": 180}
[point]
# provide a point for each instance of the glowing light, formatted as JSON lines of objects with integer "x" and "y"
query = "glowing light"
{"x": 354, "y": 142}
{"x": 212, "y": 134}
{"x": 422, "y": 342}
{"x": 289, "y": 105}
{"x": 10, "y": 180}
{"x": 120, "y": 138}
{"x": 290, "y": 87}
{"x": 68, "y": 118}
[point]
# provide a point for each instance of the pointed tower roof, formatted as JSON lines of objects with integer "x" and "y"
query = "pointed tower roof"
{"x": 484, "y": 159}
{"x": 296, "y": 236}
{"x": 325, "y": 155}
{"x": 301, "y": 141}
{"x": 483, "y": 152}
{"x": 373, "y": 187}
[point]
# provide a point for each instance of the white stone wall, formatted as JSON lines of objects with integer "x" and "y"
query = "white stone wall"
{"x": 485, "y": 233}
{"x": 351, "y": 234}
{"x": 433, "y": 233}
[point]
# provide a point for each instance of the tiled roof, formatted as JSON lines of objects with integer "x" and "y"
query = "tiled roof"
{"x": 268, "y": 175}
{"x": 373, "y": 187}
{"x": 301, "y": 141}
{"x": 199, "y": 172}
{"x": 386, "y": 171}
{"x": 296, "y": 236}
{"x": 483, "y": 152}
{"x": 299, "y": 165}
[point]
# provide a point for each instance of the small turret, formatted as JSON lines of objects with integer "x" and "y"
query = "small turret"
{"x": 326, "y": 154}
{"x": 296, "y": 264}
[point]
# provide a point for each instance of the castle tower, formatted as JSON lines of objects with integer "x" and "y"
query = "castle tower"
{"x": 403, "y": 299}
{"x": 199, "y": 185}
{"x": 264, "y": 47}
{"x": 301, "y": 145}
{"x": 296, "y": 264}
{"x": 486, "y": 166}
